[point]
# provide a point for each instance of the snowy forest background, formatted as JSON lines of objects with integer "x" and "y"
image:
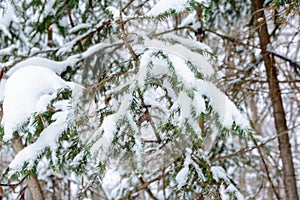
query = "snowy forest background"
{"x": 150, "y": 99}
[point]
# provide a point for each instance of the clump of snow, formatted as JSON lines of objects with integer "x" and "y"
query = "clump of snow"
{"x": 105, "y": 134}
{"x": 29, "y": 90}
{"x": 24, "y": 93}
{"x": 182, "y": 175}
{"x": 179, "y": 55}
{"x": 260, "y": 19}
{"x": 221, "y": 104}
{"x": 220, "y": 174}
{"x": 190, "y": 19}
{"x": 6, "y": 19}
{"x": 114, "y": 11}
{"x": 167, "y": 5}
{"x": 191, "y": 44}
{"x": 7, "y": 50}
{"x": 34, "y": 50}
{"x": 79, "y": 27}
{"x": 144, "y": 63}
{"x": 48, "y": 138}
{"x": 199, "y": 103}
{"x": 184, "y": 102}
{"x": 55, "y": 66}
{"x": 111, "y": 182}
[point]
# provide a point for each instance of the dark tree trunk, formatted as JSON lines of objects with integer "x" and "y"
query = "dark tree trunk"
{"x": 290, "y": 183}
{"x": 33, "y": 183}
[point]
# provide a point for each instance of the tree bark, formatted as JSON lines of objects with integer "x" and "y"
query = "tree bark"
{"x": 33, "y": 183}
{"x": 290, "y": 183}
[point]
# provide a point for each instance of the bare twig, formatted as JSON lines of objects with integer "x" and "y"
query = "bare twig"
{"x": 267, "y": 170}
{"x": 126, "y": 6}
{"x": 13, "y": 184}
{"x": 292, "y": 62}
{"x": 124, "y": 38}
{"x": 102, "y": 82}
{"x": 246, "y": 150}
{"x": 143, "y": 186}
{"x": 231, "y": 39}
{"x": 149, "y": 118}
{"x": 147, "y": 189}
{"x": 67, "y": 5}
{"x": 174, "y": 29}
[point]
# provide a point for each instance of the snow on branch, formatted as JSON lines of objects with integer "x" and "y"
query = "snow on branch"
{"x": 164, "y": 6}
{"x": 167, "y": 5}
{"x": 175, "y": 61}
{"x": 28, "y": 92}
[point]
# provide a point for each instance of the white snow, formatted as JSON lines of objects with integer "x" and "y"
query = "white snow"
{"x": 114, "y": 11}
{"x": 178, "y": 56}
{"x": 199, "y": 103}
{"x": 108, "y": 128}
{"x": 178, "y": 51}
{"x": 260, "y": 19}
{"x": 49, "y": 8}
{"x": 226, "y": 193}
{"x": 185, "y": 103}
{"x": 189, "y": 20}
{"x": 48, "y": 138}
{"x": 144, "y": 66}
{"x": 29, "y": 90}
{"x": 111, "y": 182}
{"x": 191, "y": 44}
{"x": 54, "y": 66}
{"x": 232, "y": 189}
{"x": 182, "y": 175}
{"x": 219, "y": 174}
{"x": 43, "y": 101}
{"x": 6, "y": 18}
{"x": 79, "y": 27}
{"x": 7, "y": 50}
{"x": 227, "y": 111}
{"x": 24, "y": 92}
{"x": 163, "y": 6}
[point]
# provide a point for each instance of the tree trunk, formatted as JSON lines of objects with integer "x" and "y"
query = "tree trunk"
{"x": 33, "y": 183}
{"x": 290, "y": 183}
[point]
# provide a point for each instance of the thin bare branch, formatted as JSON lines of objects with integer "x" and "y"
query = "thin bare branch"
{"x": 292, "y": 62}
{"x": 149, "y": 192}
